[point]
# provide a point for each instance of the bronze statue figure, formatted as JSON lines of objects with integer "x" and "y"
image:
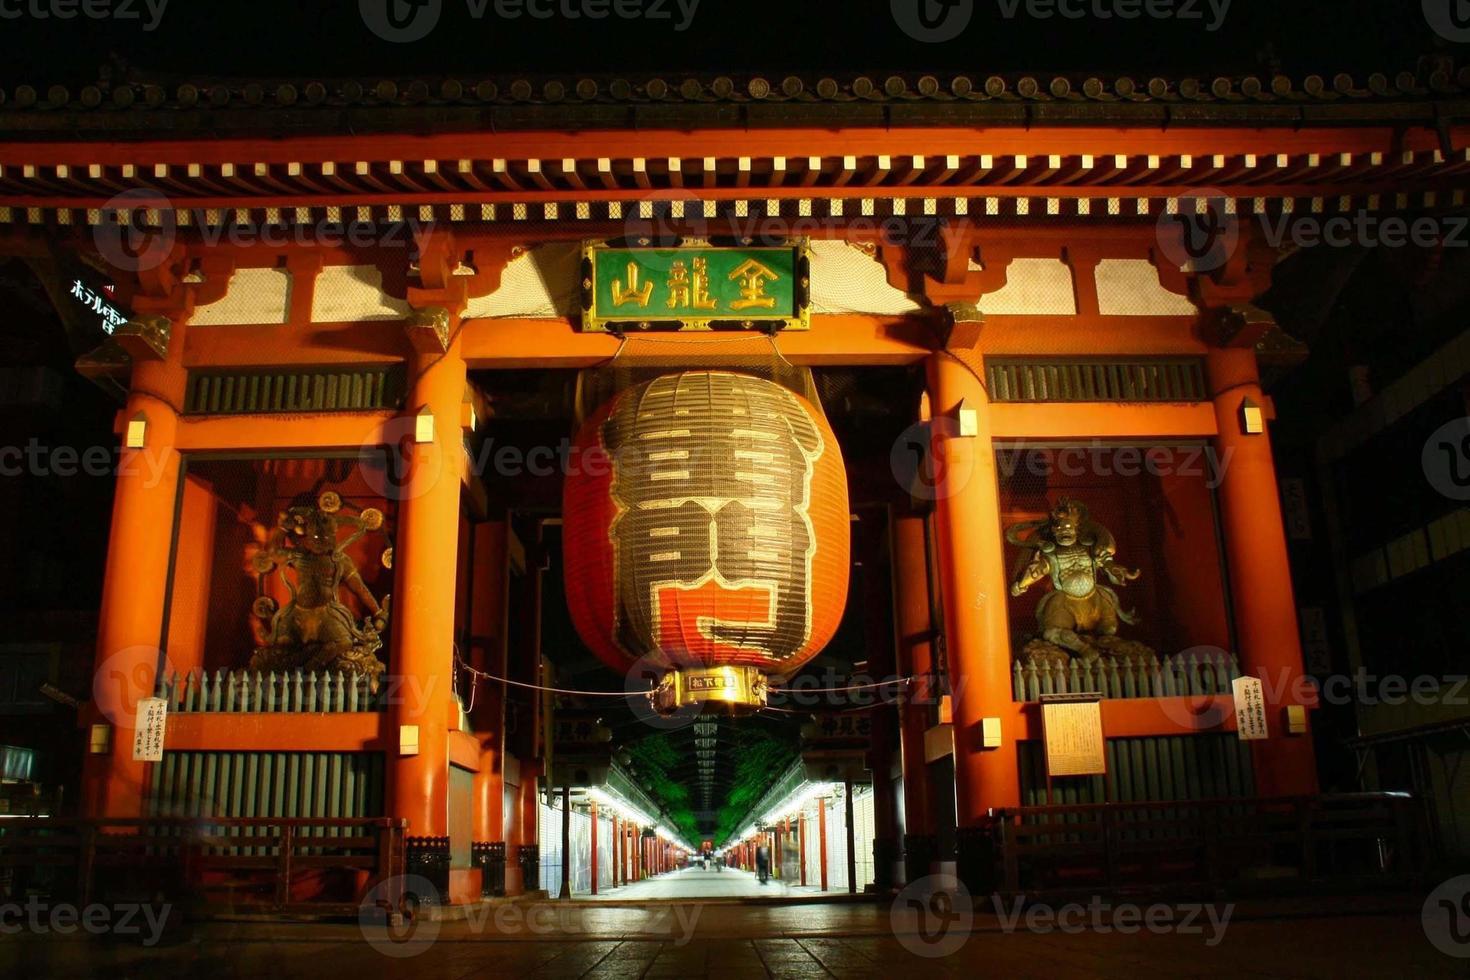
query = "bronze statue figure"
{"x": 1079, "y": 617}
{"x": 314, "y": 630}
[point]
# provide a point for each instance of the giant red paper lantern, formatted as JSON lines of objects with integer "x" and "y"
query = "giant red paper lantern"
{"x": 706, "y": 533}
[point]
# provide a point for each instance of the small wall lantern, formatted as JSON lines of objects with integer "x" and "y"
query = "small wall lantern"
{"x": 136, "y": 434}
{"x": 423, "y": 430}
{"x": 990, "y": 737}
{"x": 408, "y": 740}
{"x": 100, "y": 742}
{"x": 1296, "y": 719}
{"x": 1252, "y": 418}
{"x": 969, "y": 421}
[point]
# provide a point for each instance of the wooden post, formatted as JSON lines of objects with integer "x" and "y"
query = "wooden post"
{"x": 135, "y": 584}
{"x": 1260, "y": 573}
{"x": 593, "y": 810}
{"x": 851, "y": 840}
{"x": 913, "y": 616}
{"x": 801, "y": 845}
{"x": 822, "y": 838}
{"x": 616, "y": 851}
{"x": 972, "y": 576}
{"x": 426, "y": 560}
{"x": 566, "y": 843}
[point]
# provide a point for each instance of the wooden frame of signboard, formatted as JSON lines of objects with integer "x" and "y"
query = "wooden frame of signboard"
{"x": 1072, "y": 739}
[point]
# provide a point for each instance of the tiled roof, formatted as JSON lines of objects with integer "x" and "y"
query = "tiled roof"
{"x": 237, "y": 105}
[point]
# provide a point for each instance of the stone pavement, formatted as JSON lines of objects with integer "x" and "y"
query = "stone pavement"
{"x": 668, "y": 940}
{"x": 695, "y": 883}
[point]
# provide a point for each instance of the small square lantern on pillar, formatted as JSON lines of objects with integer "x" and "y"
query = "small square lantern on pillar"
{"x": 969, "y": 421}
{"x": 136, "y": 435}
{"x": 1252, "y": 418}
{"x": 423, "y": 430}
{"x": 990, "y": 735}
{"x": 408, "y": 740}
{"x": 100, "y": 742}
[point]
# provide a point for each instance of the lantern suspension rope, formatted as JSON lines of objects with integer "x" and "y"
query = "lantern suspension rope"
{"x": 482, "y": 675}
{"x": 842, "y": 690}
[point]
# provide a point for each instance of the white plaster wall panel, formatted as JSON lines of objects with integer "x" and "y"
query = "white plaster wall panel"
{"x": 347, "y": 293}
{"x": 254, "y": 297}
{"x": 1131, "y": 287}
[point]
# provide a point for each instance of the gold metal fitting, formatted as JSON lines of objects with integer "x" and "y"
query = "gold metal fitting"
{"x": 743, "y": 687}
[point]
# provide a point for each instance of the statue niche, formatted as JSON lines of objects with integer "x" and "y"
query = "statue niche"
{"x": 1078, "y": 618}
{"x": 314, "y": 630}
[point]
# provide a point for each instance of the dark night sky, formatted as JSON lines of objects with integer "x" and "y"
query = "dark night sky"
{"x": 270, "y": 38}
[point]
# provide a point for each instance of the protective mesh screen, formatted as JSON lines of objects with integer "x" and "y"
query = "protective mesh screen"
{"x": 1157, "y": 501}
{"x": 241, "y": 583}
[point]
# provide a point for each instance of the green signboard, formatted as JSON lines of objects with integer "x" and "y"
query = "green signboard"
{"x": 695, "y": 287}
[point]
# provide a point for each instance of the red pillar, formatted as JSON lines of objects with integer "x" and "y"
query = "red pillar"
{"x": 593, "y": 811}
{"x": 489, "y": 581}
{"x": 972, "y": 576}
{"x": 617, "y": 851}
{"x": 801, "y": 845}
{"x": 135, "y": 584}
{"x": 822, "y": 838}
{"x": 1261, "y": 596}
{"x": 423, "y": 608}
{"x": 914, "y": 625}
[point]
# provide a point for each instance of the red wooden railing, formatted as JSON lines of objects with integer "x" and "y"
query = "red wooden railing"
{"x": 210, "y": 865}
{"x": 1306, "y": 840}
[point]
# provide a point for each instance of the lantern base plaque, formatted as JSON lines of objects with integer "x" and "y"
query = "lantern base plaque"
{"x": 733, "y": 686}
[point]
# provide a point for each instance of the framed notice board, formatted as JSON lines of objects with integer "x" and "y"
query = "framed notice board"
{"x": 1071, "y": 728}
